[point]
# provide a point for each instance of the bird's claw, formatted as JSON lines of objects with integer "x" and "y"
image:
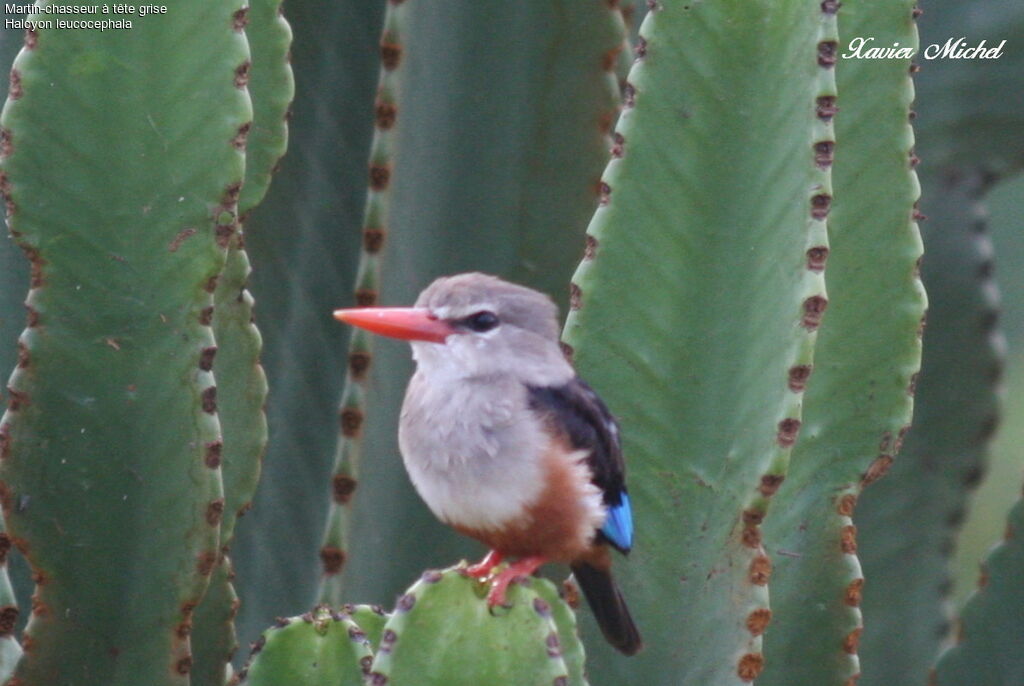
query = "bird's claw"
{"x": 477, "y": 571}
{"x": 485, "y": 567}
{"x": 517, "y": 572}
{"x": 497, "y": 595}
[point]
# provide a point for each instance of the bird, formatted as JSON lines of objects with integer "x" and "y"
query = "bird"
{"x": 506, "y": 444}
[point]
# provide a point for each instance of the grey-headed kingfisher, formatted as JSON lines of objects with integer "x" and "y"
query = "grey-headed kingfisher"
{"x": 505, "y": 443}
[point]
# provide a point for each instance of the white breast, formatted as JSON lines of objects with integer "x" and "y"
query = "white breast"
{"x": 472, "y": 449}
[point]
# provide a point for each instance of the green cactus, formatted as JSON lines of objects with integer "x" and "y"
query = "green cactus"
{"x": 925, "y": 496}
{"x": 442, "y": 632}
{"x": 272, "y": 87}
{"x": 989, "y": 626}
{"x": 10, "y": 649}
{"x": 859, "y": 398}
{"x": 706, "y": 437}
{"x": 321, "y": 648}
{"x": 14, "y": 274}
{"x": 242, "y": 385}
{"x": 111, "y": 441}
{"x": 213, "y": 638}
{"x": 964, "y": 136}
{"x": 13, "y": 266}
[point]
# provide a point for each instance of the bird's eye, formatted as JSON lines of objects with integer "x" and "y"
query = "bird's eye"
{"x": 481, "y": 321}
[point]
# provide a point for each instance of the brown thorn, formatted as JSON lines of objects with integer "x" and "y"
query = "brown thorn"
{"x": 351, "y": 419}
{"x": 366, "y": 297}
{"x": 332, "y": 559}
{"x": 814, "y": 308}
{"x": 821, "y": 203}
{"x": 877, "y": 470}
{"x": 825, "y": 107}
{"x": 853, "y": 592}
{"x": 770, "y": 484}
{"x": 240, "y": 19}
{"x": 750, "y": 666}
{"x": 827, "y": 53}
{"x": 208, "y": 400}
{"x": 359, "y": 364}
{"x": 214, "y": 450}
{"x": 206, "y": 358}
{"x": 184, "y": 665}
{"x": 380, "y": 176}
{"x": 373, "y": 240}
{"x": 846, "y": 505}
{"x": 751, "y": 537}
{"x": 848, "y": 539}
{"x": 390, "y": 55}
{"x": 342, "y": 488}
{"x": 757, "y": 621}
{"x": 385, "y": 114}
{"x": 214, "y": 512}
{"x": 16, "y": 91}
{"x": 824, "y": 152}
{"x": 852, "y": 641}
{"x": 242, "y": 74}
{"x": 238, "y": 142}
{"x": 760, "y": 570}
{"x": 797, "y": 378}
{"x": 786, "y": 435}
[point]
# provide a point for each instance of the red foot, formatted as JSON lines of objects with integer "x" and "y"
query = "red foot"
{"x": 520, "y": 568}
{"x": 484, "y": 567}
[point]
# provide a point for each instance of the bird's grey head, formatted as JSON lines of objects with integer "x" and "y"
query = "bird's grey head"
{"x": 499, "y": 328}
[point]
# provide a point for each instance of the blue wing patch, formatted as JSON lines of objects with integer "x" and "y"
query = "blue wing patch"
{"x": 618, "y": 527}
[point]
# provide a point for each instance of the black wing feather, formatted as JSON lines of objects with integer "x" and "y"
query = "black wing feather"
{"x": 576, "y": 410}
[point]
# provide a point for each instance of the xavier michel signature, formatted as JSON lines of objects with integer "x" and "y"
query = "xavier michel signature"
{"x": 952, "y": 49}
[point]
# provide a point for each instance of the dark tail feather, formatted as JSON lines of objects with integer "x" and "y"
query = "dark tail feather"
{"x": 609, "y": 607}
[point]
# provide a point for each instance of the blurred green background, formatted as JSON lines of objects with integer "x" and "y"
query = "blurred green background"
{"x": 1001, "y": 486}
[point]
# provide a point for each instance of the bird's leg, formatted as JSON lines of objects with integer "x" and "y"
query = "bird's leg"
{"x": 484, "y": 567}
{"x": 524, "y": 567}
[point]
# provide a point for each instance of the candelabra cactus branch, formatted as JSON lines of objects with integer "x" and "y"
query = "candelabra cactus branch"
{"x": 671, "y": 196}
{"x": 111, "y": 444}
{"x": 859, "y": 399}
{"x": 242, "y": 385}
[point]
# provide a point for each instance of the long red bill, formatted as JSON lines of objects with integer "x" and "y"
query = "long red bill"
{"x": 407, "y": 323}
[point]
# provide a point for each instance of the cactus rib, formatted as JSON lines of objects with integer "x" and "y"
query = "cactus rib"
{"x": 968, "y": 143}
{"x": 10, "y": 649}
{"x": 344, "y": 478}
{"x": 858, "y": 403}
{"x": 944, "y": 456}
{"x": 242, "y": 383}
{"x": 671, "y": 196}
{"x": 988, "y": 632}
{"x": 114, "y": 443}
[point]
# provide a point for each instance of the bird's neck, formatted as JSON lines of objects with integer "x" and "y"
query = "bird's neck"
{"x": 460, "y": 361}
